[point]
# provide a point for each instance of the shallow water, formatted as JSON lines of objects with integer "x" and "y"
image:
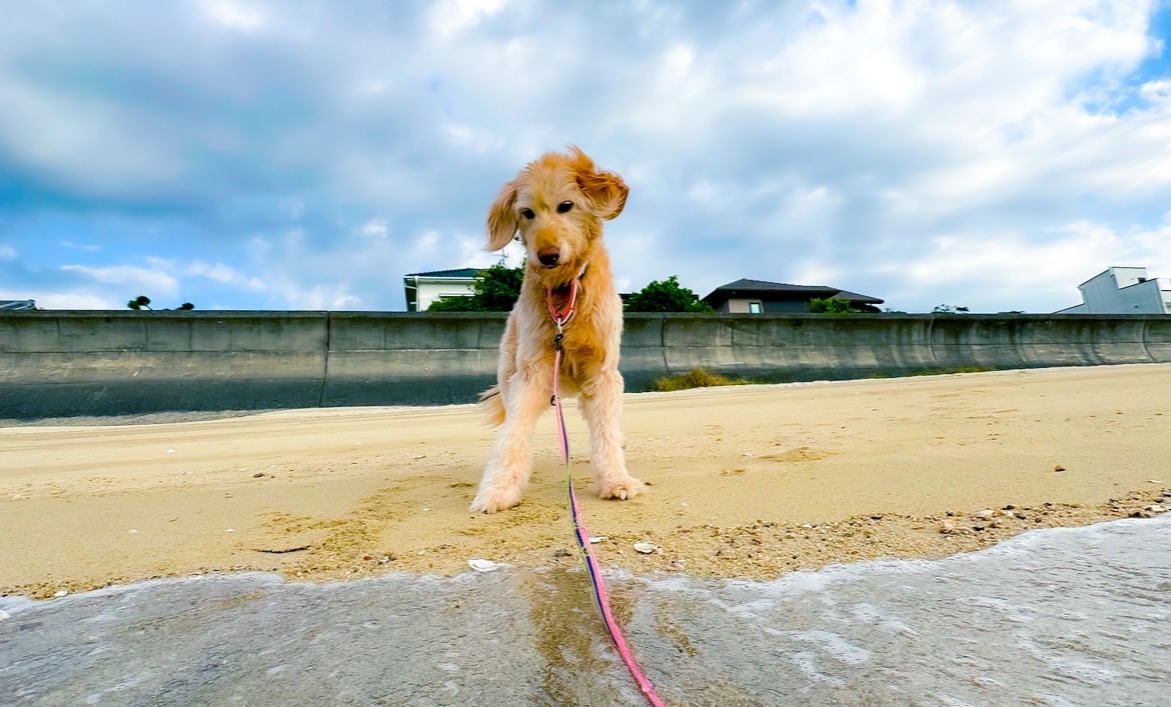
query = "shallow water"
{"x": 1054, "y": 617}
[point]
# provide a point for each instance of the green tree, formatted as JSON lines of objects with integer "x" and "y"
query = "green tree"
{"x": 143, "y": 301}
{"x": 831, "y": 305}
{"x": 495, "y": 289}
{"x": 139, "y": 302}
{"x": 666, "y": 296}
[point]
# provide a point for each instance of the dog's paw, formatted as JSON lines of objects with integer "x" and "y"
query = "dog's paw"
{"x": 621, "y": 489}
{"x": 491, "y": 500}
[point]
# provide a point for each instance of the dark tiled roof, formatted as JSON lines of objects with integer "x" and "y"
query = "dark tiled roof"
{"x": 745, "y": 285}
{"x": 855, "y": 297}
{"x": 781, "y": 291}
{"x": 458, "y": 272}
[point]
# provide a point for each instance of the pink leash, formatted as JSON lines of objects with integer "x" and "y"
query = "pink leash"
{"x": 560, "y": 318}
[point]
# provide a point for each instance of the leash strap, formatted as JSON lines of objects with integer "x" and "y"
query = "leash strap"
{"x": 560, "y": 317}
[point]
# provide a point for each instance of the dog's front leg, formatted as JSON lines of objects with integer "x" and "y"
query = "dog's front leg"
{"x": 602, "y": 409}
{"x": 511, "y": 461}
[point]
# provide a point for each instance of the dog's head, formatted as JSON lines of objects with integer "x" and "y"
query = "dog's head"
{"x": 557, "y": 203}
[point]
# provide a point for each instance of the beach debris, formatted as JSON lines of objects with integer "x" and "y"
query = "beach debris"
{"x": 1058, "y": 467}
{"x": 281, "y": 551}
{"x": 484, "y": 565}
{"x": 426, "y": 509}
{"x": 230, "y": 530}
{"x": 984, "y": 514}
{"x": 417, "y": 457}
{"x": 1156, "y": 508}
{"x": 171, "y": 451}
{"x": 61, "y": 593}
{"x": 646, "y": 548}
{"x": 132, "y": 531}
{"x": 946, "y": 526}
{"x": 1154, "y": 481}
{"x": 4, "y": 615}
{"x": 599, "y": 539}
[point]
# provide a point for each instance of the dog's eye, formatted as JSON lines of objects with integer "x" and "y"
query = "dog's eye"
{"x": 528, "y": 213}
{"x": 564, "y": 206}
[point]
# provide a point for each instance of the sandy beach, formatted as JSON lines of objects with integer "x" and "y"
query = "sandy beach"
{"x": 747, "y": 481}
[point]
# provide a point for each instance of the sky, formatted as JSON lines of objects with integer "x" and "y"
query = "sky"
{"x": 285, "y": 154}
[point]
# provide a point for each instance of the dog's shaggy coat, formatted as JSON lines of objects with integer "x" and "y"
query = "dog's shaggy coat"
{"x": 557, "y": 204}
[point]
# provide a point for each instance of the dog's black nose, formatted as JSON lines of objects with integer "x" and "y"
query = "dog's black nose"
{"x": 549, "y": 257}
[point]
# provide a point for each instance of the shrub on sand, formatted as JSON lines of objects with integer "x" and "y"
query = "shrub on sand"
{"x": 950, "y": 371}
{"x": 695, "y": 378}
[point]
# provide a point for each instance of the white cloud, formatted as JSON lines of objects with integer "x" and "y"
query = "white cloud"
{"x": 129, "y": 277}
{"x": 226, "y": 275}
{"x": 375, "y": 228}
{"x": 318, "y": 298}
{"x": 1028, "y": 269}
{"x": 451, "y": 16}
{"x": 7, "y": 252}
{"x": 920, "y": 151}
{"x": 88, "y": 247}
{"x": 234, "y": 15}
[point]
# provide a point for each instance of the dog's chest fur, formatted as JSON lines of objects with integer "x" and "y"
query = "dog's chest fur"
{"x": 585, "y": 345}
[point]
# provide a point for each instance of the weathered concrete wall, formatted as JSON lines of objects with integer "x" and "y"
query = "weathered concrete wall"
{"x": 377, "y": 358}
{"x": 58, "y": 363}
{"x": 100, "y": 363}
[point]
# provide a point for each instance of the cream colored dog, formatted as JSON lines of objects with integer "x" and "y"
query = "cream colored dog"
{"x": 558, "y": 203}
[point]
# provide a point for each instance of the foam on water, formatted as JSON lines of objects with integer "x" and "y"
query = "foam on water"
{"x": 1053, "y": 617}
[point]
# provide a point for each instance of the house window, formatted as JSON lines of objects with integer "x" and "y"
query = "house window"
{"x": 755, "y": 307}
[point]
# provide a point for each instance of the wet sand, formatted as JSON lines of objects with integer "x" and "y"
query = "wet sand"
{"x": 748, "y": 481}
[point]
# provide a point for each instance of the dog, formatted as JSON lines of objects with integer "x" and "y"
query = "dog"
{"x": 555, "y": 206}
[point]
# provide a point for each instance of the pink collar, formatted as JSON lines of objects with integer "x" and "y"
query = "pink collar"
{"x": 562, "y": 316}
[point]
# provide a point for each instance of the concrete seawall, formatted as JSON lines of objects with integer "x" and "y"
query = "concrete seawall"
{"x": 67, "y": 363}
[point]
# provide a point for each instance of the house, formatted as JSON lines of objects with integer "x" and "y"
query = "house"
{"x": 17, "y": 305}
{"x": 759, "y": 296}
{"x": 1123, "y": 291}
{"x": 423, "y": 288}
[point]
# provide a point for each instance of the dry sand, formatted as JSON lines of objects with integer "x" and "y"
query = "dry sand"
{"x": 750, "y": 481}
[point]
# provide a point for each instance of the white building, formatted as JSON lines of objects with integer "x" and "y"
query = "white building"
{"x": 1123, "y": 291}
{"x": 423, "y": 288}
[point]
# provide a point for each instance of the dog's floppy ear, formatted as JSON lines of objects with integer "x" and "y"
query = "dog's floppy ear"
{"x": 502, "y": 218}
{"x": 605, "y": 190}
